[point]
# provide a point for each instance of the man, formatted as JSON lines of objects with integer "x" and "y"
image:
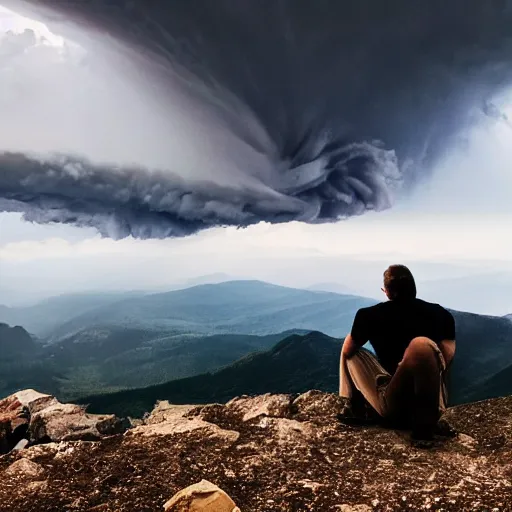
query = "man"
{"x": 414, "y": 342}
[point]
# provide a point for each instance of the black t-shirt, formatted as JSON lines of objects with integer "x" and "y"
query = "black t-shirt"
{"x": 390, "y": 327}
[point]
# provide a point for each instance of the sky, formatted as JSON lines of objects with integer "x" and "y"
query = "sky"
{"x": 453, "y": 231}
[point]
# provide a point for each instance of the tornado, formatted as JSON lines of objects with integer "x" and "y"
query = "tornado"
{"x": 164, "y": 118}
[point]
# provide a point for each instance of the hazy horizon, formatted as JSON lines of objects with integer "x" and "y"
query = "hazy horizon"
{"x": 443, "y": 283}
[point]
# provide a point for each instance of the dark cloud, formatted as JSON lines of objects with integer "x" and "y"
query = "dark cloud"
{"x": 351, "y": 97}
{"x": 157, "y": 204}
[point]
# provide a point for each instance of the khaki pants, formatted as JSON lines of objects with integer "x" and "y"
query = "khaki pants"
{"x": 417, "y": 385}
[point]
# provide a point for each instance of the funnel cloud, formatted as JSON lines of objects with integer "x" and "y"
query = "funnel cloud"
{"x": 231, "y": 113}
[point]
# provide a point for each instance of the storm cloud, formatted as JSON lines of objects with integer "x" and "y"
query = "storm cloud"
{"x": 267, "y": 111}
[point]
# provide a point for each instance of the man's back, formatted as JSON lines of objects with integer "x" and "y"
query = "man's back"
{"x": 390, "y": 327}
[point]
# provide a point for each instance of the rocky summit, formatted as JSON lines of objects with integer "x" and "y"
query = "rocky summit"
{"x": 254, "y": 454}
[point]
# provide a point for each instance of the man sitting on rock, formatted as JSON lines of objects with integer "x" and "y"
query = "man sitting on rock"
{"x": 414, "y": 342}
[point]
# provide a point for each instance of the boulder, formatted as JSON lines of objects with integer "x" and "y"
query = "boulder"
{"x": 277, "y": 406}
{"x": 33, "y": 401}
{"x": 168, "y": 419}
{"x": 201, "y": 497}
{"x": 42, "y": 418}
{"x": 24, "y": 469}
{"x": 69, "y": 422}
{"x": 14, "y": 421}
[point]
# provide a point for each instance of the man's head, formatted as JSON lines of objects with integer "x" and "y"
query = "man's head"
{"x": 399, "y": 283}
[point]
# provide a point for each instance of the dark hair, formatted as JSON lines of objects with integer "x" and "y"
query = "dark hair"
{"x": 399, "y": 283}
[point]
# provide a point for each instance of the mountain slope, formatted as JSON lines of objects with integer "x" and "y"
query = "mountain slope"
{"x": 312, "y": 361}
{"x": 248, "y": 307}
{"x": 15, "y": 341}
{"x": 295, "y": 364}
{"x": 99, "y": 360}
{"x": 484, "y": 348}
{"x": 498, "y": 385}
{"x": 128, "y": 358}
{"x": 21, "y": 363}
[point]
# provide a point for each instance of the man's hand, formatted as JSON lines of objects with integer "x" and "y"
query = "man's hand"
{"x": 350, "y": 347}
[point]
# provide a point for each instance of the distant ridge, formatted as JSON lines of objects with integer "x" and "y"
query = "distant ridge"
{"x": 333, "y": 288}
{"x": 235, "y": 307}
{"x": 44, "y": 316}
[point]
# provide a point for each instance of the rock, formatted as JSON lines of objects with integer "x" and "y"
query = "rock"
{"x": 278, "y": 406}
{"x": 201, "y": 497}
{"x": 21, "y": 445}
{"x": 41, "y": 450}
{"x": 214, "y": 413}
{"x": 285, "y": 430}
{"x": 319, "y": 404}
{"x": 34, "y": 401}
{"x": 165, "y": 412}
{"x": 69, "y": 422}
{"x": 467, "y": 441}
{"x": 14, "y": 420}
{"x": 25, "y": 469}
{"x": 42, "y": 418}
{"x": 354, "y": 508}
{"x": 168, "y": 419}
{"x": 37, "y": 486}
{"x": 309, "y": 484}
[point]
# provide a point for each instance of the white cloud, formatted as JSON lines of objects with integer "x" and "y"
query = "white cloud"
{"x": 11, "y": 21}
{"x": 418, "y": 236}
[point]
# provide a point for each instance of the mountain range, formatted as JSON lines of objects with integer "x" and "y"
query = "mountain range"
{"x": 238, "y": 307}
{"x": 121, "y": 343}
{"x": 91, "y": 343}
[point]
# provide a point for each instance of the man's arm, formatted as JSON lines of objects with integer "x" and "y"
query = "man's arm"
{"x": 357, "y": 337}
{"x": 350, "y": 346}
{"x": 448, "y": 350}
{"x": 447, "y": 345}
